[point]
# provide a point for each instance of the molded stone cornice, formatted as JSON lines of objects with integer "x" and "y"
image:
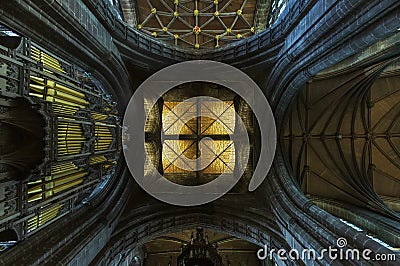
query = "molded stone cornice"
{"x": 381, "y": 226}
{"x": 381, "y": 50}
{"x": 138, "y": 43}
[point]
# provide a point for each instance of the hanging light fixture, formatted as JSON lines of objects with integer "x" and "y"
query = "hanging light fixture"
{"x": 199, "y": 251}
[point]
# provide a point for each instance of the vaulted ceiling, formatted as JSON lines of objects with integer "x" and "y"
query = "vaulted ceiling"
{"x": 199, "y": 23}
{"x": 332, "y": 121}
{"x": 234, "y": 251}
{"x": 342, "y": 137}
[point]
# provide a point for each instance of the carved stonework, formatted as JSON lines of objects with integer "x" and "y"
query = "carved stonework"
{"x": 3, "y": 73}
{"x": 64, "y": 209}
{"x": 95, "y": 102}
{"x": 10, "y": 207}
{"x": 10, "y": 191}
{"x": 3, "y": 168}
{"x": 81, "y": 163}
{"x": 67, "y": 68}
{"x": 12, "y": 82}
{"x": 82, "y": 113}
{"x": 3, "y": 110}
{"x": 87, "y": 130}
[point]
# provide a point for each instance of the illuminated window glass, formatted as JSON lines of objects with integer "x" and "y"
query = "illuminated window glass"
{"x": 182, "y": 139}
{"x": 277, "y": 7}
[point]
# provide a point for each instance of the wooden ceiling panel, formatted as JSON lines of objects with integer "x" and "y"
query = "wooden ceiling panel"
{"x": 197, "y": 23}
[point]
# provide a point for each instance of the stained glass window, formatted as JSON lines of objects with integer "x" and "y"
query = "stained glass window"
{"x": 182, "y": 139}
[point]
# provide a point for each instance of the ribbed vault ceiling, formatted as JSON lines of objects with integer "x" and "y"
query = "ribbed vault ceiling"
{"x": 197, "y": 23}
{"x": 343, "y": 137}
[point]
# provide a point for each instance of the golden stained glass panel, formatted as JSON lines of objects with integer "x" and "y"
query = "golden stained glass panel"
{"x": 223, "y": 160}
{"x": 173, "y": 120}
{"x": 177, "y": 150}
{"x": 225, "y": 123}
